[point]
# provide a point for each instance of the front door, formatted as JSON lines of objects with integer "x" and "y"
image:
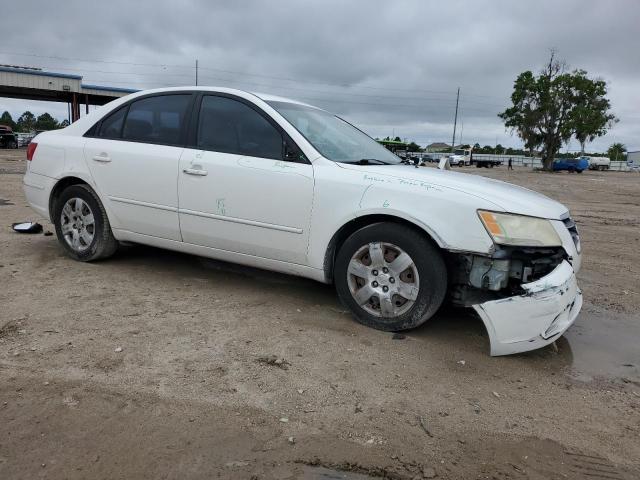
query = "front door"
{"x": 236, "y": 191}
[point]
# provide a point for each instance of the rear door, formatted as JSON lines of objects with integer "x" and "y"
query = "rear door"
{"x": 244, "y": 186}
{"x": 133, "y": 157}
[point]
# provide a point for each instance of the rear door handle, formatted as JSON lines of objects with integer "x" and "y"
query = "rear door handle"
{"x": 102, "y": 157}
{"x": 195, "y": 171}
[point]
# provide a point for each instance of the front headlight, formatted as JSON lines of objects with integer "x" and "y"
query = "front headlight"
{"x": 519, "y": 230}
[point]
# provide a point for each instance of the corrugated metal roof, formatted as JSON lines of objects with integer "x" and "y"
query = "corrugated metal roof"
{"x": 40, "y": 73}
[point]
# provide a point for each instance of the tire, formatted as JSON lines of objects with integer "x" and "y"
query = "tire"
{"x": 82, "y": 226}
{"x": 424, "y": 280}
{"x": 578, "y": 171}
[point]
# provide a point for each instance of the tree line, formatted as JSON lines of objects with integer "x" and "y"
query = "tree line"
{"x": 28, "y": 122}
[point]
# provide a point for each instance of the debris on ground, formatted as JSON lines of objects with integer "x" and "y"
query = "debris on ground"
{"x": 398, "y": 336}
{"x": 461, "y": 362}
{"x": 273, "y": 361}
{"x": 26, "y": 227}
{"x": 117, "y": 349}
{"x": 284, "y": 420}
{"x": 291, "y": 440}
{"x": 423, "y": 424}
{"x": 358, "y": 408}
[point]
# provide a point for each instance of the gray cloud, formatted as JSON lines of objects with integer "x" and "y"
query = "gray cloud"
{"x": 389, "y": 67}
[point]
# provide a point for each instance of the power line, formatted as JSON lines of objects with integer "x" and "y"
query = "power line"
{"x": 233, "y": 72}
{"x": 281, "y": 87}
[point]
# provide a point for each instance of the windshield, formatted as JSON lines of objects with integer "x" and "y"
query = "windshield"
{"x": 334, "y": 138}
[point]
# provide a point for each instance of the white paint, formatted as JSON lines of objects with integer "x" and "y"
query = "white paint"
{"x": 535, "y": 319}
{"x": 282, "y": 216}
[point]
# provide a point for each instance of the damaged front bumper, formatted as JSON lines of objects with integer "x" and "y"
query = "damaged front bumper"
{"x": 536, "y": 318}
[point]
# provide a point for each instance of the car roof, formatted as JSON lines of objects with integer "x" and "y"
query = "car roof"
{"x": 83, "y": 124}
{"x": 204, "y": 88}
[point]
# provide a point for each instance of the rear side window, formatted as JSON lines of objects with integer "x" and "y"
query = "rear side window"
{"x": 230, "y": 126}
{"x": 158, "y": 119}
{"x": 111, "y": 127}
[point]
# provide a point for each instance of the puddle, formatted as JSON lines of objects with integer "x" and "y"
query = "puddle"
{"x": 600, "y": 344}
{"x": 604, "y": 344}
{"x": 321, "y": 473}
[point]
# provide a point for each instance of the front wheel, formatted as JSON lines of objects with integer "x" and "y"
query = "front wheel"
{"x": 390, "y": 276}
{"x": 82, "y": 226}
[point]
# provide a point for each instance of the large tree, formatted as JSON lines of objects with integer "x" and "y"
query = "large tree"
{"x": 46, "y": 122}
{"x": 7, "y": 120}
{"x": 591, "y": 114}
{"x": 550, "y": 108}
{"x": 26, "y": 122}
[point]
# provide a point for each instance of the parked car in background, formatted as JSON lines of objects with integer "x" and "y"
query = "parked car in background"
{"x": 571, "y": 165}
{"x": 598, "y": 163}
{"x": 7, "y": 137}
{"x": 24, "y": 138}
{"x": 278, "y": 184}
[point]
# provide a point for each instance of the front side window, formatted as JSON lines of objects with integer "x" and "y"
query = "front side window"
{"x": 229, "y": 126}
{"x": 157, "y": 119}
{"x": 334, "y": 138}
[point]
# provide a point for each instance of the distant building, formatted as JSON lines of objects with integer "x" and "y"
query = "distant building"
{"x": 437, "y": 147}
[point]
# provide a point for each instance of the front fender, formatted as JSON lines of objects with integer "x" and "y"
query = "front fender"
{"x": 449, "y": 216}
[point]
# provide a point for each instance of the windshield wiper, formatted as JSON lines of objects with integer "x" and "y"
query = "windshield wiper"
{"x": 370, "y": 161}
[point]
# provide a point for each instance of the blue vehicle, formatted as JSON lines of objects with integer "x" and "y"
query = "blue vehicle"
{"x": 571, "y": 164}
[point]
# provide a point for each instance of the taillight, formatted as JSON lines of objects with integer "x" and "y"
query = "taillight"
{"x": 31, "y": 149}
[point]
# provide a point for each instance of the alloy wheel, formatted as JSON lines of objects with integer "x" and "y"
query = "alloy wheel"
{"x": 77, "y": 224}
{"x": 383, "y": 279}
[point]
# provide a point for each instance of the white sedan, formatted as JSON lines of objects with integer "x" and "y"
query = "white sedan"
{"x": 278, "y": 184}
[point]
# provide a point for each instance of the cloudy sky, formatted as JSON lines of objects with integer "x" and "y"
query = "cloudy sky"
{"x": 390, "y": 67}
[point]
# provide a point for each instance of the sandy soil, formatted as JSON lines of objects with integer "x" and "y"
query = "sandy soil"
{"x": 160, "y": 365}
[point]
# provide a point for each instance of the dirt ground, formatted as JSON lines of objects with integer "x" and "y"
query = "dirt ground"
{"x": 161, "y": 365}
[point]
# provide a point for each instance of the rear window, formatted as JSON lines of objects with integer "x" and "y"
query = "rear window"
{"x": 111, "y": 127}
{"x": 157, "y": 119}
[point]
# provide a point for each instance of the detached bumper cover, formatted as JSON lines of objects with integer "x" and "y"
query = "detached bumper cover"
{"x": 536, "y": 318}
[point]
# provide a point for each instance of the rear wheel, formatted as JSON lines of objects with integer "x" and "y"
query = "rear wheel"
{"x": 82, "y": 226}
{"x": 390, "y": 276}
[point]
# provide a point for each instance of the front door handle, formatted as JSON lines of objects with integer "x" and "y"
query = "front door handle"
{"x": 195, "y": 171}
{"x": 102, "y": 157}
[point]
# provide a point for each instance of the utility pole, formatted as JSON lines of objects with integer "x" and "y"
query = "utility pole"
{"x": 455, "y": 122}
{"x": 196, "y": 72}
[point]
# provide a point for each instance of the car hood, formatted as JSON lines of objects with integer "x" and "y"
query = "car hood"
{"x": 508, "y": 197}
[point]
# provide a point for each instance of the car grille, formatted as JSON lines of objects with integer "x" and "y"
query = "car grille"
{"x": 573, "y": 230}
